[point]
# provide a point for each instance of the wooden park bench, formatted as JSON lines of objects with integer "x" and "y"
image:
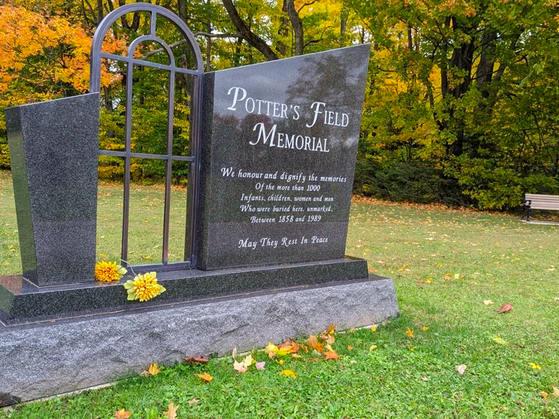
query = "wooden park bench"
{"x": 540, "y": 202}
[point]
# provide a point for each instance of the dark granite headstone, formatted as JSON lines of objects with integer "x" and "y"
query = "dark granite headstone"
{"x": 53, "y": 152}
{"x": 278, "y": 158}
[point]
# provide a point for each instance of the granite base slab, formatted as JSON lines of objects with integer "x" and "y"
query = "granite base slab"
{"x": 44, "y": 359}
{"x": 21, "y": 301}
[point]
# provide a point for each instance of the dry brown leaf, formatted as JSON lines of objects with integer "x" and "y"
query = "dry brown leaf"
{"x": 122, "y": 414}
{"x": 327, "y": 338}
{"x": 505, "y": 308}
{"x": 331, "y": 355}
{"x": 206, "y": 377}
{"x": 556, "y": 391}
{"x": 196, "y": 360}
{"x": 171, "y": 412}
{"x": 313, "y": 343}
{"x": 192, "y": 401}
{"x": 296, "y": 356}
{"x": 331, "y": 329}
{"x": 544, "y": 394}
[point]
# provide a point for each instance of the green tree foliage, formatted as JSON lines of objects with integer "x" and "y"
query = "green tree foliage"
{"x": 467, "y": 88}
{"x": 461, "y": 105}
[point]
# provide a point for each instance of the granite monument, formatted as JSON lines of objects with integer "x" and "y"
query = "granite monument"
{"x": 273, "y": 170}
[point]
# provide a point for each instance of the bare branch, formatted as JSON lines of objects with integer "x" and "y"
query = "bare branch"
{"x": 184, "y": 41}
{"x": 305, "y": 5}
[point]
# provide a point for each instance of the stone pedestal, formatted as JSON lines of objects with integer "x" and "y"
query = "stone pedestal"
{"x": 42, "y": 359}
{"x": 53, "y": 152}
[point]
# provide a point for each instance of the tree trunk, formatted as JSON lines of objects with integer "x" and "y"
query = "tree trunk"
{"x": 208, "y": 40}
{"x": 289, "y": 8}
{"x": 183, "y": 10}
{"x": 245, "y": 32}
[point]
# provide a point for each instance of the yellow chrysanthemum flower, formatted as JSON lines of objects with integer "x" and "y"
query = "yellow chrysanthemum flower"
{"x": 143, "y": 287}
{"x": 108, "y": 271}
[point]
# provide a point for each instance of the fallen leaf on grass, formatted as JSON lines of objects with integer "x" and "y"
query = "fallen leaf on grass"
{"x": 500, "y": 341}
{"x": 239, "y": 367}
{"x": 271, "y": 350}
{"x": 122, "y": 414}
{"x": 409, "y": 332}
{"x": 171, "y": 412}
{"x": 331, "y": 329}
{"x": 505, "y": 308}
{"x": 424, "y": 379}
{"x": 488, "y": 302}
{"x": 152, "y": 370}
{"x": 296, "y": 356}
{"x": 373, "y": 347}
{"x": 374, "y": 328}
{"x": 192, "y": 401}
{"x": 331, "y": 355}
{"x": 287, "y": 347}
{"x": 313, "y": 343}
{"x": 544, "y": 394}
{"x": 535, "y": 366}
{"x": 555, "y": 391}
{"x": 196, "y": 360}
{"x": 425, "y": 328}
{"x": 327, "y": 338}
{"x": 349, "y": 348}
{"x": 424, "y": 281}
{"x": 260, "y": 365}
{"x": 461, "y": 368}
{"x": 248, "y": 361}
{"x": 288, "y": 373}
{"x": 206, "y": 377}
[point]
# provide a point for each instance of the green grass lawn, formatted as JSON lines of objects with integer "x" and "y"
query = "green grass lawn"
{"x": 444, "y": 263}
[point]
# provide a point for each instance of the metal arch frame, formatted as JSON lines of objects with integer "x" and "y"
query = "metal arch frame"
{"x": 111, "y": 18}
{"x": 195, "y": 134}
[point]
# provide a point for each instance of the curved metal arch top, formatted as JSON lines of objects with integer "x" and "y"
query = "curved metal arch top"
{"x": 111, "y": 18}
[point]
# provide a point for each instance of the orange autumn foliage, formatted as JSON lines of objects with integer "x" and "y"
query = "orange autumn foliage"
{"x": 43, "y": 57}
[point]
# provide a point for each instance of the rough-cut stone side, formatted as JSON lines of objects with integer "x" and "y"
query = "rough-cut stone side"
{"x": 54, "y": 358}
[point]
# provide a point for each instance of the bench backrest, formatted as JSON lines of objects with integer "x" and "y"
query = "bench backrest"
{"x": 545, "y": 202}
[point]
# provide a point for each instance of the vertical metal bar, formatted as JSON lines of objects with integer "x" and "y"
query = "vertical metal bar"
{"x": 153, "y": 22}
{"x": 169, "y": 171}
{"x": 128, "y": 136}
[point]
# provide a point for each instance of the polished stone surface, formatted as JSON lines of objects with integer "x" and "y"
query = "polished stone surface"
{"x": 278, "y": 157}
{"x": 53, "y": 152}
{"x": 21, "y": 301}
{"x": 58, "y": 357}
